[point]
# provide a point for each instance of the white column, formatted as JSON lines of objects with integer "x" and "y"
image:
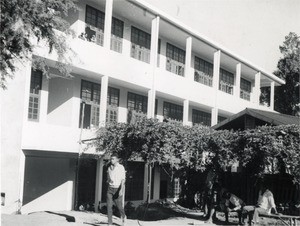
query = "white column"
{"x": 103, "y": 100}
{"x": 44, "y": 100}
{"x": 214, "y": 116}
{"x": 216, "y": 76}
{"x": 185, "y": 112}
{"x": 188, "y": 58}
{"x": 151, "y": 103}
{"x": 99, "y": 181}
{"x": 153, "y": 63}
{"x": 272, "y": 91}
{"x": 216, "y": 73}
{"x": 107, "y": 23}
{"x": 238, "y": 80}
{"x": 256, "y": 88}
{"x": 154, "y": 41}
{"x": 146, "y": 178}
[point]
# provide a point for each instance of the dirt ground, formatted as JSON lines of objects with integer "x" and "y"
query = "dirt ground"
{"x": 82, "y": 218}
{"x": 75, "y": 218}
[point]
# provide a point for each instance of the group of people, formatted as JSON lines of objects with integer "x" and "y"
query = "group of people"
{"x": 223, "y": 200}
{"x": 215, "y": 197}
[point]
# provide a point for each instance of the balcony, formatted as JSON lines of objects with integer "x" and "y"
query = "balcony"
{"x": 140, "y": 53}
{"x": 93, "y": 34}
{"x": 111, "y": 114}
{"x": 203, "y": 78}
{"x": 226, "y": 87}
{"x": 175, "y": 67}
{"x": 245, "y": 95}
{"x": 116, "y": 43}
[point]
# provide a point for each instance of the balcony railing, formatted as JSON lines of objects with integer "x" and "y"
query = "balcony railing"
{"x": 93, "y": 34}
{"x": 175, "y": 67}
{"x": 140, "y": 53}
{"x": 203, "y": 78}
{"x": 226, "y": 87}
{"x": 116, "y": 43}
{"x": 245, "y": 95}
{"x": 111, "y": 114}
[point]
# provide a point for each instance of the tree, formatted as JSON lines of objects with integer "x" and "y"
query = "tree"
{"x": 288, "y": 68}
{"x": 25, "y": 21}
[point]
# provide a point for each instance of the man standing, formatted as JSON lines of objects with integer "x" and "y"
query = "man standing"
{"x": 115, "y": 188}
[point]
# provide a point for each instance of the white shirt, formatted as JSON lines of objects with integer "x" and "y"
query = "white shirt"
{"x": 115, "y": 175}
{"x": 266, "y": 201}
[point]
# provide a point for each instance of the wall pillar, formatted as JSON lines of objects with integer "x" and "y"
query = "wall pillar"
{"x": 238, "y": 80}
{"x": 44, "y": 100}
{"x": 153, "y": 63}
{"x": 107, "y": 23}
{"x": 103, "y": 100}
{"x": 151, "y": 103}
{"x": 185, "y": 112}
{"x": 188, "y": 58}
{"x": 216, "y": 73}
{"x": 256, "y": 88}
{"x": 99, "y": 181}
{"x": 214, "y": 116}
{"x": 272, "y": 92}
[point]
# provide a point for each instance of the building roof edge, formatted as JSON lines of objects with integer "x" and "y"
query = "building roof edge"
{"x": 197, "y": 34}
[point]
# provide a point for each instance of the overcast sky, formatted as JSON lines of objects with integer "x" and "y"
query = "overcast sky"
{"x": 253, "y": 29}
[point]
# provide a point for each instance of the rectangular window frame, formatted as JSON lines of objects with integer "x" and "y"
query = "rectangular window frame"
{"x": 139, "y": 103}
{"x": 35, "y": 95}
{"x": 172, "y": 111}
{"x": 201, "y": 117}
{"x": 93, "y": 102}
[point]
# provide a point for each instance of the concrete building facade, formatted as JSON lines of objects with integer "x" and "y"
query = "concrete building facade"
{"x": 129, "y": 56}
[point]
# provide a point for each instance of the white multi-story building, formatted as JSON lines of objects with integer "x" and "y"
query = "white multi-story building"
{"x": 129, "y": 56}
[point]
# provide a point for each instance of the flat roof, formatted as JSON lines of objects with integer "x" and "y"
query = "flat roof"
{"x": 203, "y": 38}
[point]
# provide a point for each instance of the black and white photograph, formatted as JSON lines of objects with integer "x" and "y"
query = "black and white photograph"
{"x": 150, "y": 112}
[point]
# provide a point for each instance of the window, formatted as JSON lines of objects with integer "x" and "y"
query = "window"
{"x": 221, "y": 118}
{"x": 173, "y": 111}
{"x": 94, "y": 19}
{"x": 34, "y": 95}
{"x": 112, "y": 104}
{"x": 203, "y": 71}
{"x": 137, "y": 102}
{"x": 117, "y": 29}
{"x": 226, "y": 81}
{"x": 201, "y": 117}
{"x": 245, "y": 89}
{"x": 175, "y": 59}
{"x": 140, "y": 45}
{"x": 90, "y": 95}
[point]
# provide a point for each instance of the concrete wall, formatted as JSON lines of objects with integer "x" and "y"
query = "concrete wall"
{"x": 13, "y": 105}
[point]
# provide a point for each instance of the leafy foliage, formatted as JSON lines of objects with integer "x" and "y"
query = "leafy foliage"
{"x": 286, "y": 99}
{"x": 185, "y": 149}
{"x": 23, "y": 22}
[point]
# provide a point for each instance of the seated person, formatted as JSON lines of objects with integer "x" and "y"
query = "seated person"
{"x": 264, "y": 205}
{"x": 232, "y": 203}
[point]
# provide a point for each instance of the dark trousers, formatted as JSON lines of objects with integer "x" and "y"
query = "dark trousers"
{"x": 113, "y": 195}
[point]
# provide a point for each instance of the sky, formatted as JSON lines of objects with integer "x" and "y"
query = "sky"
{"x": 253, "y": 29}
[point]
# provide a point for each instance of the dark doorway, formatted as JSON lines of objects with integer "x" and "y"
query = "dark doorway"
{"x": 87, "y": 183}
